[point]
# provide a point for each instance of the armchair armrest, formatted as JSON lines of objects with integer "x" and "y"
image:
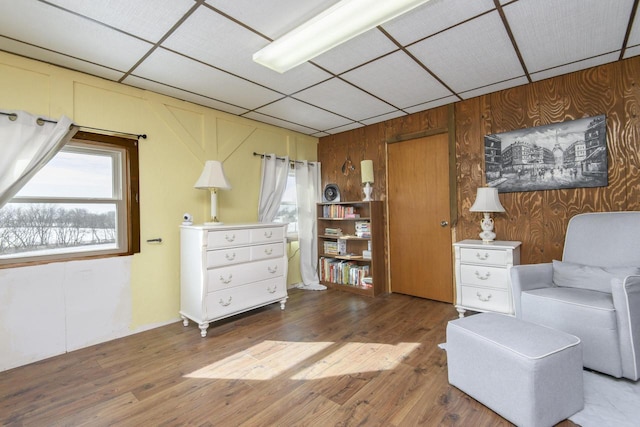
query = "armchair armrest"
{"x": 626, "y": 300}
{"x": 529, "y": 276}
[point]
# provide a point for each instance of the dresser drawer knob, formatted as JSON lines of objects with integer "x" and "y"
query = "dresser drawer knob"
{"x": 272, "y": 290}
{"x": 482, "y": 257}
{"x": 268, "y": 251}
{"x": 268, "y": 234}
{"x": 272, "y": 269}
{"x": 227, "y": 280}
{"x": 483, "y": 277}
{"x": 230, "y": 238}
{"x": 224, "y": 304}
{"x": 483, "y": 299}
{"x": 230, "y": 257}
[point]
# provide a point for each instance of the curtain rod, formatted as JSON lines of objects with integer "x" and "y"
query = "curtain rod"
{"x": 281, "y": 158}
{"x": 40, "y": 121}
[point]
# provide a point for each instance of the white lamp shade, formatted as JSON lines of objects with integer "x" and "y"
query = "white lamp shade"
{"x": 341, "y": 22}
{"x": 366, "y": 170}
{"x": 212, "y": 177}
{"x": 487, "y": 201}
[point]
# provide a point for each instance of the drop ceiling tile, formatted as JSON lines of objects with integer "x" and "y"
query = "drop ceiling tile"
{"x": 632, "y": 51}
{"x": 44, "y": 55}
{"x": 383, "y": 117}
{"x": 148, "y": 19}
{"x": 344, "y": 99}
{"x": 566, "y": 31}
{"x": 634, "y": 35}
{"x": 397, "y": 79}
{"x": 494, "y": 87}
{"x": 280, "y": 123}
{"x": 361, "y": 49}
{"x": 472, "y": 55}
{"x": 303, "y": 114}
{"x": 320, "y": 134}
{"x": 432, "y": 17}
{"x": 344, "y": 128}
{"x": 182, "y": 73}
{"x": 183, "y": 95}
{"x": 70, "y": 34}
{"x": 272, "y": 18}
{"x": 432, "y": 104}
{"x": 575, "y": 66}
{"x": 212, "y": 38}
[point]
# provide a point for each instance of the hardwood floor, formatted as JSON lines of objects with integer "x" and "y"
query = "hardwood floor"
{"x": 329, "y": 359}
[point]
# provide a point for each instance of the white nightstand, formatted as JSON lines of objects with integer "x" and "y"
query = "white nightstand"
{"x": 482, "y": 275}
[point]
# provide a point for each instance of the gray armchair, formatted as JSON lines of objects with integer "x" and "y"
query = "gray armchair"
{"x": 593, "y": 293}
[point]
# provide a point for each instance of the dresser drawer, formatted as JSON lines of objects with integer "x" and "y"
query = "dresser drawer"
{"x": 230, "y": 301}
{"x": 221, "y": 257}
{"x": 226, "y": 238}
{"x": 241, "y": 274}
{"x": 264, "y": 235}
{"x": 483, "y": 276}
{"x": 272, "y": 250}
{"x": 484, "y": 299}
{"x": 483, "y": 256}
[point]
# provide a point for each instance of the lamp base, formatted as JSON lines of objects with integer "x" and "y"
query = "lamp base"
{"x": 367, "y": 192}
{"x": 486, "y": 223}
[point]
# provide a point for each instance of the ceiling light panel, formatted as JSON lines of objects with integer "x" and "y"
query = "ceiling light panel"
{"x": 364, "y": 48}
{"x": 148, "y": 19}
{"x": 344, "y": 99}
{"x": 306, "y": 115}
{"x": 566, "y": 31}
{"x": 215, "y": 39}
{"x": 182, "y": 73}
{"x": 273, "y": 18}
{"x": 474, "y": 54}
{"x": 60, "y": 31}
{"x": 432, "y": 17}
{"x": 410, "y": 85}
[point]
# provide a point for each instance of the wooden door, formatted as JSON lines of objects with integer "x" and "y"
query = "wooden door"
{"x": 419, "y": 216}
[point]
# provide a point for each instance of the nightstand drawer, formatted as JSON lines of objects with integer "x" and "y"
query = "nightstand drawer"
{"x": 267, "y": 251}
{"x": 484, "y": 299}
{"x": 229, "y": 301}
{"x": 483, "y": 256}
{"x": 483, "y": 276}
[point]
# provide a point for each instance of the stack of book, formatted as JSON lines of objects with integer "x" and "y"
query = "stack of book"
{"x": 363, "y": 229}
{"x": 332, "y": 231}
{"x": 343, "y": 272}
{"x": 339, "y": 247}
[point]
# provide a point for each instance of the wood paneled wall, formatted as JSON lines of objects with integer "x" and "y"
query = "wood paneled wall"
{"x": 539, "y": 218}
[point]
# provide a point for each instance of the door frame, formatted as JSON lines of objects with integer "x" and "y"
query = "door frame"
{"x": 453, "y": 187}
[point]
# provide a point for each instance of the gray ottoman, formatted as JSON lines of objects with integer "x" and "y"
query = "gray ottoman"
{"x": 529, "y": 374}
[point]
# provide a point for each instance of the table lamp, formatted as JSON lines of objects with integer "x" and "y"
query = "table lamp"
{"x": 366, "y": 172}
{"x": 212, "y": 179}
{"x": 487, "y": 201}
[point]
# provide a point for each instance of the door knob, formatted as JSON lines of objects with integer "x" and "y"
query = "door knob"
{"x": 443, "y": 223}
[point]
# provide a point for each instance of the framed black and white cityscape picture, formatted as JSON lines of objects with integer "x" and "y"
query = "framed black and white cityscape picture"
{"x": 571, "y": 154}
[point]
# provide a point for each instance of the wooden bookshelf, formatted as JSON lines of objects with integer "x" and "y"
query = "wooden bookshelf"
{"x": 345, "y": 230}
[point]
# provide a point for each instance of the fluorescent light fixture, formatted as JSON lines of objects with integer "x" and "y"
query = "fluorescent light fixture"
{"x": 341, "y": 22}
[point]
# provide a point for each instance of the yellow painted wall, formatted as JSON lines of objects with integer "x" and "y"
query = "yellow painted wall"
{"x": 181, "y": 136}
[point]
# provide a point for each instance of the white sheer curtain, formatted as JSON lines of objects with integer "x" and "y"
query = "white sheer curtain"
{"x": 308, "y": 193}
{"x": 272, "y": 186}
{"x": 27, "y": 144}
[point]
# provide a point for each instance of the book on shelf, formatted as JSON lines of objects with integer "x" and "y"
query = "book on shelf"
{"x": 339, "y": 211}
{"x": 329, "y": 231}
{"x": 338, "y": 247}
{"x": 363, "y": 229}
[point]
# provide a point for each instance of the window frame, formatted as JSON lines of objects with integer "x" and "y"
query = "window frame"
{"x": 128, "y": 212}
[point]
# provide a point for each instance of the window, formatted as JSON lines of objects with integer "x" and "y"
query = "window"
{"x": 82, "y": 204}
{"x": 288, "y": 212}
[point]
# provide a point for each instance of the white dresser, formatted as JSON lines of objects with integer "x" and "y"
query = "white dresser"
{"x": 230, "y": 269}
{"x": 482, "y": 275}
